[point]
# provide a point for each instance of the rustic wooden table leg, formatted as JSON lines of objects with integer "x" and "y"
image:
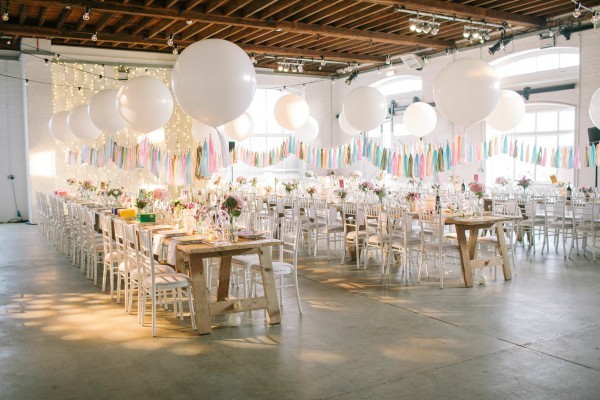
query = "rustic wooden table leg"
{"x": 200, "y": 294}
{"x": 224, "y": 278}
{"x": 266, "y": 264}
{"x": 473, "y": 235}
{"x": 503, "y": 251}
{"x": 465, "y": 258}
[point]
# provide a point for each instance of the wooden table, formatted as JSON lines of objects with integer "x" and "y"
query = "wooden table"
{"x": 468, "y": 247}
{"x": 196, "y": 253}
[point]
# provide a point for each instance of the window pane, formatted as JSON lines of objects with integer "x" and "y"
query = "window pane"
{"x": 566, "y": 120}
{"x": 569, "y": 60}
{"x": 400, "y": 130}
{"x": 526, "y": 66}
{"x": 566, "y": 140}
{"x": 547, "y": 121}
{"x": 547, "y": 62}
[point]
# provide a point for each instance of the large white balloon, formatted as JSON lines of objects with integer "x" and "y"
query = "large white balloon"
{"x": 508, "y": 113}
{"x": 466, "y": 91}
{"x": 240, "y": 128}
{"x": 213, "y": 81}
{"x": 365, "y": 108}
{"x": 291, "y": 111}
{"x": 59, "y": 128}
{"x": 145, "y": 103}
{"x": 595, "y": 108}
{"x": 81, "y": 124}
{"x": 309, "y": 131}
{"x": 104, "y": 112}
{"x": 345, "y": 126}
{"x": 200, "y": 131}
{"x": 420, "y": 119}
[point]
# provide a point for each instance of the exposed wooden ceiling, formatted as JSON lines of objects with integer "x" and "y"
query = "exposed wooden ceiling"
{"x": 364, "y": 31}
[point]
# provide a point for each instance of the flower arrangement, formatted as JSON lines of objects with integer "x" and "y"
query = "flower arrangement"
{"x": 88, "y": 185}
{"x": 586, "y": 190}
{"x": 234, "y": 205}
{"x": 160, "y": 194}
{"x": 241, "y": 180}
{"x": 524, "y": 183}
{"x": 71, "y": 181}
{"x": 268, "y": 189}
{"x": 355, "y": 174}
{"x": 141, "y": 202}
{"x": 561, "y": 184}
{"x": 380, "y": 192}
{"x": 309, "y": 174}
{"x": 477, "y": 188}
{"x": 116, "y": 192}
{"x": 453, "y": 179}
{"x": 502, "y": 181}
{"x": 311, "y": 190}
{"x": 290, "y": 186}
{"x": 341, "y": 193}
{"x": 178, "y": 205}
{"x": 254, "y": 181}
{"x": 412, "y": 196}
{"x": 366, "y": 186}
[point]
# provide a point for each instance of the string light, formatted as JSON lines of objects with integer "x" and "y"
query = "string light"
{"x": 86, "y": 14}
{"x": 577, "y": 12}
{"x": 95, "y": 36}
{"x": 253, "y": 58}
{"x": 170, "y": 41}
{"x": 5, "y": 16}
{"x": 175, "y": 50}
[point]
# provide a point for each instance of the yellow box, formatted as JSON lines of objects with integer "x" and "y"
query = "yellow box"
{"x": 127, "y": 213}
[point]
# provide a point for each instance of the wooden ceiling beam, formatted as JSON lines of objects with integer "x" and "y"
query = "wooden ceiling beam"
{"x": 23, "y": 14}
{"x": 34, "y": 31}
{"x": 286, "y": 26}
{"x": 258, "y": 6}
{"x": 141, "y": 25}
{"x": 464, "y": 10}
{"x": 280, "y": 6}
{"x": 64, "y": 14}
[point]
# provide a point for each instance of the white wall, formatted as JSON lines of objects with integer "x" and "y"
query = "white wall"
{"x": 12, "y": 142}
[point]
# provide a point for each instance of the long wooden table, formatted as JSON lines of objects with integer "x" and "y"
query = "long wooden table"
{"x": 468, "y": 246}
{"x": 197, "y": 253}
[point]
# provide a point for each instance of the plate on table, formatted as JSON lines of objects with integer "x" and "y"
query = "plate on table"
{"x": 195, "y": 239}
{"x": 251, "y": 235}
{"x": 173, "y": 233}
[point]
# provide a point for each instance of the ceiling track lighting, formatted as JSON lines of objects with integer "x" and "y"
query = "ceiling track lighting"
{"x": 477, "y": 34}
{"x": 86, "y": 14}
{"x": 435, "y": 25}
{"x": 171, "y": 40}
{"x": 422, "y": 26}
{"x": 500, "y": 44}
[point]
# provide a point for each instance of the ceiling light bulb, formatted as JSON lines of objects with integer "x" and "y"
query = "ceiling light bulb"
{"x": 435, "y": 30}
{"x": 95, "y": 36}
{"x": 388, "y": 60}
{"x": 300, "y": 68}
{"x": 280, "y": 68}
{"x": 86, "y": 14}
{"x": 577, "y": 12}
{"x": 426, "y": 28}
{"x": 412, "y": 26}
{"x": 550, "y": 33}
{"x": 5, "y": 16}
{"x": 425, "y": 59}
{"x": 286, "y": 68}
{"x": 475, "y": 35}
{"x": 323, "y": 62}
{"x": 466, "y": 34}
{"x": 294, "y": 68}
{"x": 175, "y": 50}
{"x": 390, "y": 72}
{"x": 189, "y": 21}
{"x": 253, "y": 58}
{"x": 170, "y": 41}
{"x": 486, "y": 36}
{"x": 419, "y": 28}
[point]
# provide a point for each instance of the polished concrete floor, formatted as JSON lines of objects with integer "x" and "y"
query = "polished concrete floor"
{"x": 362, "y": 336}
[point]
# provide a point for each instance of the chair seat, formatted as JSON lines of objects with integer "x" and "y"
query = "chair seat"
{"x": 160, "y": 269}
{"x": 245, "y": 261}
{"x": 488, "y": 239}
{"x": 279, "y": 268}
{"x": 113, "y": 257}
{"x": 170, "y": 279}
{"x": 409, "y": 243}
{"x": 312, "y": 225}
{"x": 444, "y": 245}
{"x": 336, "y": 228}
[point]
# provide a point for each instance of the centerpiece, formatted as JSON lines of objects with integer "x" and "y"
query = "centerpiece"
{"x": 381, "y": 193}
{"x": 524, "y": 183}
{"x": 587, "y": 191}
{"x": 311, "y": 190}
{"x": 411, "y": 198}
{"x": 290, "y": 186}
{"x": 478, "y": 189}
{"x": 233, "y": 205}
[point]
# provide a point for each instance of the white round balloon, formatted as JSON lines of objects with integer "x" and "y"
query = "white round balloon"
{"x": 466, "y": 91}
{"x": 200, "y": 131}
{"x": 104, "y": 112}
{"x": 365, "y": 108}
{"x": 345, "y": 126}
{"x": 240, "y": 128}
{"x": 420, "y": 119}
{"x": 309, "y": 131}
{"x": 145, "y": 103}
{"x": 59, "y": 128}
{"x": 291, "y": 111}
{"x": 508, "y": 113}
{"x": 213, "y": 81}
{"x": 595, "y": 108}
{"x": 81, "y": 124}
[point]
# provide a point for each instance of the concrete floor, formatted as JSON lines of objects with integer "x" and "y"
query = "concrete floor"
{"x": 361, "y": 336}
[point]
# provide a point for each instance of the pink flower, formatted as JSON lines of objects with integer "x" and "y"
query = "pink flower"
{"x": 160, "y": 194}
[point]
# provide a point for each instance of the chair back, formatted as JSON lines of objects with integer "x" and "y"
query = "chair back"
{"x": 289, "y": 234}
{"x": 264, "y": 223}
{"x": 107, "y": 233}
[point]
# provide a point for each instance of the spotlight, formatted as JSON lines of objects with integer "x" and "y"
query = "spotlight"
{"x": 294, "y": 68}
{"x": 95, "y": 36}
{"x": 486, "y": 35}
{"x": 550, "y": 33}
{"x": 253, "y": 58}
{"x": 577, "y": 12}
{"x": 5, "y": 15}
{"x": 286, "y": 68}
{"x": 26, "y": 82}
{"x": 170, "y": 41}
{"x": 320, "y": 68}
{"x": 595, "y": 18}
{"x": 448, "y": 52}
{"x": 175, "y": 50}
{"x": 419, "y": 28}
{"x": 435, "y": 28}
{"x": 352, "y": 77}
{"x": 390, "y": 72}
{"x": 388, "y": 60}
{"x": 466, "y": 33}
{"x": 300, "y": 67}
{"x": 413, "y": 25}
{"x": 46, "y": 61}
{"x": 425, "y": 59}
{"x": 426, "y": 28}
{"x": 475, "y": 34}
{"x": 189, "y": 21}
{"x": 86, "y": 14}
{"x": 323, "y": 62}
{"x": 280, "y": 68}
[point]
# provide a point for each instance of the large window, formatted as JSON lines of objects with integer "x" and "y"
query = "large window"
{"x": 545, "y": 124}
{"x": 267, "y": 135}
{"x": 532, "y": 61}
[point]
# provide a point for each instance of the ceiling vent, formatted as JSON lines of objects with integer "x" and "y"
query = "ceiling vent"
{"x": 412, "y": 61}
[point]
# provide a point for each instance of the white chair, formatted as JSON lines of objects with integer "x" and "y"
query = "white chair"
{"x": 355, "y": 234}
{"x": 402, "y": 238}
{"x": 156, "y": 284}
{"x": 586, "y": 225}
{"x": 377, "y": 239}
{"x": 112, "y": 257}
{"x": 533, "y": 222}
{"x": 290, "y": 236}
{"x": 559, "y": 225}
{"x": 93, "y": 246}
{"x": 505, "y": 208}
